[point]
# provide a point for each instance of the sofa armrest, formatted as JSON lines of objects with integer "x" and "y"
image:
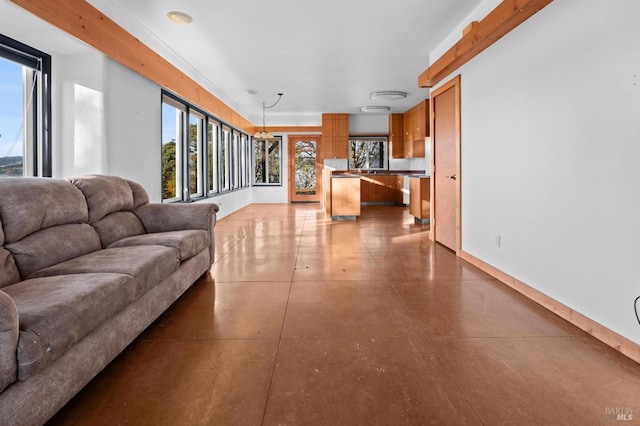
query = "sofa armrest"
{"x": 8, "y": 341}
{"x": 156, "y": 217}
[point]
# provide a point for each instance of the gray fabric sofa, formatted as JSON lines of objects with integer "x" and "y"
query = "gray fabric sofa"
{"x": 86, "y": 264}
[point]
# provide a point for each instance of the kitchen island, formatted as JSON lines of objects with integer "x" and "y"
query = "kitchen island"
{"x": 343, "y": 198}
{"x": 420, "y": 198}
{"x": 345, "y": 191}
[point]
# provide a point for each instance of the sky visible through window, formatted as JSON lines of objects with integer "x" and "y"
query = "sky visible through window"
{"x": 11, "y": 130}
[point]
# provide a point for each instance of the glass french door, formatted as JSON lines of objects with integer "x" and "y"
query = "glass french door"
{"x": 305, "y": 169}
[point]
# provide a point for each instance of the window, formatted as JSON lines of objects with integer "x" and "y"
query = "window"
{"x": 225, "y": 159}
{"x": 244, "y": 161}
{"x": 267, "y": 162}
{"x": 201, "y": 156}
{"x": 25, "y": 110}
{"x": 235, "y": 160}
{"x": 212, "y": 156}
{"x": 172, "y": 137}
{"x": 368, "y": 153}
{"x": 196, "y": 149}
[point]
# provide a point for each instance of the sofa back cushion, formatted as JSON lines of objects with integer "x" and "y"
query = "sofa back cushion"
{"x": 53, "y": 245}
{"x": 29, "y": 204}
{"x": 104, "y": 195}
{"x": 8, "y": 270}
{"x": 111, "y": 200}
{"x": 41, "y": 221}
{"x": 118, "y": 226}
{"x": 140, "y": 196}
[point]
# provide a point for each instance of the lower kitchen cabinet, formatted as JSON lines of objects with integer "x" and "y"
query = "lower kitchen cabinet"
{"x": 345, "y": 197}
{"x": 419, "y": 198}
{"x": 379, "y": 188}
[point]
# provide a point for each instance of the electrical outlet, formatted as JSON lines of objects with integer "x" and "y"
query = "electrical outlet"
{"x": 498, "y": 240}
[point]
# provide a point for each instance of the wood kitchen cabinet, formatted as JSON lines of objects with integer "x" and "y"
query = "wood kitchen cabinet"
{"x": 419, "y": 198}
{"x": 335, "y": 136}
{"x": 415, "y": 129}
{"x": 382, "y": 189}
{"x": 396, "y": 135}
{"x": 345, "y": 196}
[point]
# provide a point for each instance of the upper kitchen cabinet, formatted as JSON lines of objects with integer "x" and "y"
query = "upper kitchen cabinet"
{"x": 416, "y": 129}
{"x": 396, "y": 136}
{"x": 335, "y": 136}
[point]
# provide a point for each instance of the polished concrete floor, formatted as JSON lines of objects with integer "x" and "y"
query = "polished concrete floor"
{"x": 305, "y": 321}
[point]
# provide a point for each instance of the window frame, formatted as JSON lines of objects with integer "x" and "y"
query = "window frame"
{"x": 39, "y": 147}
{"x": 215, "y": 143}
{"x": 265, "y": 153}
{"x": 201, "y": 124}
{"x": 367, "y": 140}
{"x": 213, "y": 157}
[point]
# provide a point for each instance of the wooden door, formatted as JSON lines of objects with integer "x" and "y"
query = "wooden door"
{"x": 305, "y": 168}
{"x": 445, "y": 170}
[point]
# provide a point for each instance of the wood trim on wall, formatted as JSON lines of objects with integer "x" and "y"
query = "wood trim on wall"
{"x": 83, "y": 21}
{"x": 500, "y": 21}
{"x": 606, "y": 336}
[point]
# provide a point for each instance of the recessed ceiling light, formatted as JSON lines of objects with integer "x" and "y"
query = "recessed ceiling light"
{"x": 179, "y": 17}
{"x": 389, "y": 95}
{"x": 375, "y": 108}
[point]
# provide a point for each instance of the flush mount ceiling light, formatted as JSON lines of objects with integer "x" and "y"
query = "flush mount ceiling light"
{"x": 389, "y": 95}
{"x": 375, "y": 108}
{"x": 179, "y": 17}
{"x": 264, "y": 135}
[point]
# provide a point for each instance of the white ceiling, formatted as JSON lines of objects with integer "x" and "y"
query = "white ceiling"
{"x": 325, "y": 56}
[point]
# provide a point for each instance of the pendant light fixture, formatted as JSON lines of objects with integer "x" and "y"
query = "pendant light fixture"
{"x": 264, "y": 135}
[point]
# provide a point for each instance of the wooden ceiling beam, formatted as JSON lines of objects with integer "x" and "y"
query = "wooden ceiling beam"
{"x": 500, "y": 21}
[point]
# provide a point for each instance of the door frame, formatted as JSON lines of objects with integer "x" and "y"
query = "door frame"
{"x": 291, "y": 164}
{"x": 455, "y": 84}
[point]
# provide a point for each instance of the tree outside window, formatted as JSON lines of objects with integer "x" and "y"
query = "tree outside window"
{"x": 267, "y": 161}
{"x": 368, "y": 153}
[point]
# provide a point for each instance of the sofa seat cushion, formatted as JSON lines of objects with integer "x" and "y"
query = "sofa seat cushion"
{"x": 188, "y": 242}
{"x": 56, "y": 312}
{"x": 147, "y": 265}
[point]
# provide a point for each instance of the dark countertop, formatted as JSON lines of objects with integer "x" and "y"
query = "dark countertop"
{"x": 344, "y": 175}
{"x": 380, "y": 172}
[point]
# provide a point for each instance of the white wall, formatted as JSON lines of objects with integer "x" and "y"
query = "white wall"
{"x": 133, "y": 105}
{"x": 368, "y": 124}
{"x": 550, "y": 149}
{"x": 79, "y": 142}
{"x": 106, "y": 121}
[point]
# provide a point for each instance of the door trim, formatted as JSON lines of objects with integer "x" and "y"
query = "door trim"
{"x": 455, "y": 84}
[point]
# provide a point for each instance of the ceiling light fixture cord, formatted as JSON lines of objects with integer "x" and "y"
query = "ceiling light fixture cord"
{"x": 264, "y": 107}
{"x": 264, "y": 135}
